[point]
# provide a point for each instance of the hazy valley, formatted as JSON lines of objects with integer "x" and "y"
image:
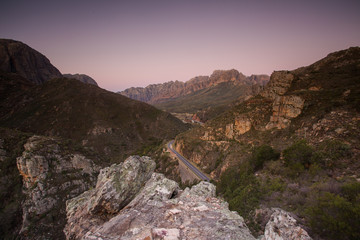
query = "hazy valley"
{"x": 282, "y": 153}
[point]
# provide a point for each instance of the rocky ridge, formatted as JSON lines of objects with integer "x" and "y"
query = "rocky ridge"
{"x": 82, "y": 78}
{"x": 17, "y": 57}
{"x": 157, "y": 93}
{"x": 132, "y": 202}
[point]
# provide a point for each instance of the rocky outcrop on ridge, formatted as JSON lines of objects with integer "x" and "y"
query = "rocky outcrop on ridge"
{"x": 17, "y": 57}
{"x": 50, "y": 175}
{"x": 284, "y": 107}
{"x": 157, "y": 93}
{"x": 132, "y": 202}
{"x": 82, "y": 78}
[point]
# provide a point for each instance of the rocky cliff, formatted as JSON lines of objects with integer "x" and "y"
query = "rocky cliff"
{"x": 158, "y": 93}
{"x": 82, "y": 78}
{"x": 132, "y": 202}
{"x": 17, "y": 57}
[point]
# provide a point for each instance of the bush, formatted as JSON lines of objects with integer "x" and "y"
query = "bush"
{"x": 334, "y": 217}
{"x": 331, "y": 152}
{"x": 300, "y": 153}
{"x": 351, "y": 191}
{"x": 240, "y": 188}
{"x": 262, "y": 154}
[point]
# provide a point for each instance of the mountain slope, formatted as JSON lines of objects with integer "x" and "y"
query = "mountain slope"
{"x": 17, "y": 57}
{"x": 104, "y": 121}
{"x": 311, "y": 116}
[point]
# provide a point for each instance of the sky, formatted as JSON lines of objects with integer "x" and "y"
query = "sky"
{"x": 135, "y": 43}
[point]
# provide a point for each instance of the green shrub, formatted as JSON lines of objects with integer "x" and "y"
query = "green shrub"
{"x": 331, "y": 152}
{"x": 262, "y": 154}
{"x": 239, "y": 186}
{"x": 245, "y": 199}
{"x": 274, "y": 185}
{"x": 298, "y": 153}
{"x": 334, "y": 217}
{"x": 351, "y": 191}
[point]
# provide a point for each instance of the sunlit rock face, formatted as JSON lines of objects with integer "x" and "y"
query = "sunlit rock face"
{"x": 284, "y": 107}
{"x": 136, "y": 203}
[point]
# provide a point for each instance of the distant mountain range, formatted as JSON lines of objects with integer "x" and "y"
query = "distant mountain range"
{"x": 158, "y": 93}
{"x": 205, "y": 95}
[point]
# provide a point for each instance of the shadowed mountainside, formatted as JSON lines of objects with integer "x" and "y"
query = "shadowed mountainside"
{"x": 103, "y": 121}
{"x": 17, "y": 57}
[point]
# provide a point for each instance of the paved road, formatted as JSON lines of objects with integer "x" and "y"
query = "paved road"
{"x": 187, "y": 163}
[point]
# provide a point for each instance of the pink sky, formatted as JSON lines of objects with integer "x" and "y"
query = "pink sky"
{"x": 125, "y": 44}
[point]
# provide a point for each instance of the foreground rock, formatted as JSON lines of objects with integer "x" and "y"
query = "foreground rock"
{"x": 160, "y": 209}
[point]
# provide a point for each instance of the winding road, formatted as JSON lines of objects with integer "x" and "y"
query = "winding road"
{"x": 187, "y": 163}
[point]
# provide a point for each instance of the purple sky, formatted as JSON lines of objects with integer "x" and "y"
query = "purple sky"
{"x": 136, "y": 43}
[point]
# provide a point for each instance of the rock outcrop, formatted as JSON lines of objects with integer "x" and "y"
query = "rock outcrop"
{"x": 139, "y": 204}
{"x": 17, "y": 57}
{"x": 282, "y": 226}
{"x": 50, "y": 177}
{"x": 82, "y": 78}
{"x": 284, "y": 107}
{"x": 157, "y": 93}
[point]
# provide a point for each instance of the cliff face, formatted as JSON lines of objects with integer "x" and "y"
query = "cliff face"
{"x": 82, "y": 78}
{"x": 17, "y": 57}
{"x": 51, "y": 173}
{"x": 158, "y": 93}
